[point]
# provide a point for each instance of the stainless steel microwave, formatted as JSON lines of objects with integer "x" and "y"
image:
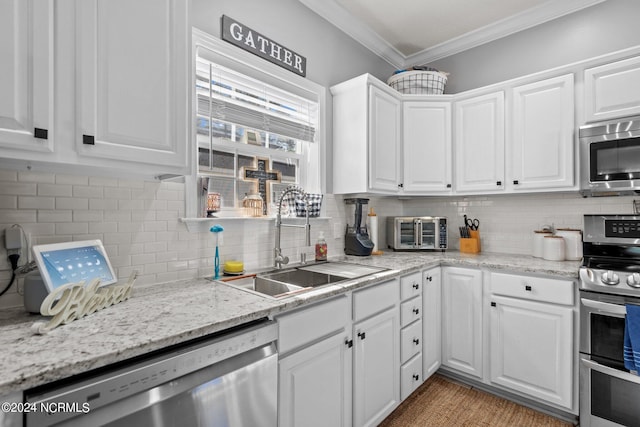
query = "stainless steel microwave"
{"x": 610, "y": 157}
{"x": 417, "y": 233}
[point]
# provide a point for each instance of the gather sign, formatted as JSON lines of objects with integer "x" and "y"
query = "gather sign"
{"x": 254, "y": 42}
{"x": 73, "y": 301}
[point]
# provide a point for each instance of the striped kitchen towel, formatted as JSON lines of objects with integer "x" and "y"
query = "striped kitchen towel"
{"x": 632, "y": 339}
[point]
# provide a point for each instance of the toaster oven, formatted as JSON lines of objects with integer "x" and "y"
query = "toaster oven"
{"x": 417, "y": 233}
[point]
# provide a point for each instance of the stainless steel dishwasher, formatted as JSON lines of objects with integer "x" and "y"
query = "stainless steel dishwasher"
{"x": 227, "y": 380}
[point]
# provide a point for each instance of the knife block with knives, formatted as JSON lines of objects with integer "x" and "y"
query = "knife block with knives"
{"x": 470, "y": 236}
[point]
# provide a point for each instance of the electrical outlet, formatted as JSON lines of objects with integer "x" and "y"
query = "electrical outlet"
{"x": 338, "y": 230}
{"x": 13, "y": 238}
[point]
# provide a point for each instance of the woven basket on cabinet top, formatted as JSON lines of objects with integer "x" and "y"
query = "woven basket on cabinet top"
{"x": 418, "y": 82}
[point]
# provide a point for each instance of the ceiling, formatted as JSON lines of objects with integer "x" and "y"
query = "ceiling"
{"x": 412, "y": 32}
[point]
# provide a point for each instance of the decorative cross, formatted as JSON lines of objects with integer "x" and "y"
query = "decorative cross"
{"x": 263, "y": 177}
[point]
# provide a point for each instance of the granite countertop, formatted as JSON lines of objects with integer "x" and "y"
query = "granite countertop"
{"x": 162, "y": 315}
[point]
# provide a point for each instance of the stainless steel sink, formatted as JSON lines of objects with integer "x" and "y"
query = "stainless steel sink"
{"x": 284, "y": 283}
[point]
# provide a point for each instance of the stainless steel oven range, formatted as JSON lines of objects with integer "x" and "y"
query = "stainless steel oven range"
{"x": 609, "y": 280}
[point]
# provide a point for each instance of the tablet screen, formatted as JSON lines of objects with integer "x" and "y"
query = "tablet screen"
{"x": 73, "y": 262}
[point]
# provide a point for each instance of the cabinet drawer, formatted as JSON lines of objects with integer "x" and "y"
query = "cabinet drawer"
{"x": 309, "y": 324}
{"x": 411, "y": 285}
{"x": 410, "y": 341}
{"x": 410, "y": 376}
{"x": 556, "y": 291}
{"x": 375, "y": 299}
{"x": 410, "y": 311}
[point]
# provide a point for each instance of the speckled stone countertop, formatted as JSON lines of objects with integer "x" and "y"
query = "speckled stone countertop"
{"x": 161, "y": 315}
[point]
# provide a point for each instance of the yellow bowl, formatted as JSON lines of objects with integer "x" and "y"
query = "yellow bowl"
{"x": 233, "y": 266}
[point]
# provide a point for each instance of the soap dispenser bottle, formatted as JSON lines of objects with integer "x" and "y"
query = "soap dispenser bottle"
{"x": 321, "y": 248}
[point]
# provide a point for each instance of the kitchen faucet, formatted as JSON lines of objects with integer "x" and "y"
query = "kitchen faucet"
{"x": 279, "y": 259}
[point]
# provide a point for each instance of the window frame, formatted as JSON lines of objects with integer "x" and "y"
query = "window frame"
{"x": 312, "y": 160}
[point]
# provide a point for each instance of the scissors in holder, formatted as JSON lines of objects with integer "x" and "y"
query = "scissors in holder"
{"x": 472, "y": 223}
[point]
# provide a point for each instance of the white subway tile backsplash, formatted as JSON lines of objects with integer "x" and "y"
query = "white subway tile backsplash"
{"x": 72, "y": 179}
{"x": 103, "y": 227}
{"x": 55, "y": 190}
{"x": 102, "y": 181}
{"x": 73, "y": 203}
{"x": 120, "y": 193}
{"x": 88, "y": 216}
{"x": 117, "y": 215}
{"x": 55, "y": 216}
{"x": 8, "y": 176}
{"x": 26, "y": 176}
{"x": 72, "y": 228}
{"x": 8, "y": 202}
{"x": 138, "y": 221}
{"x": 143, "y": 259}
{"x": 36, "y": 202}
{"x": 103, "y": 204}
{"x": 18, "y": 189}
{"x": 91, "y": 192}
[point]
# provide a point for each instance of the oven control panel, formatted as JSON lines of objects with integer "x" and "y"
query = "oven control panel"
{"x": 608, "y": 281}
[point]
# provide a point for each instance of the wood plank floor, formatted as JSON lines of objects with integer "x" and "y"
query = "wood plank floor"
{"x": 442, "y": 402}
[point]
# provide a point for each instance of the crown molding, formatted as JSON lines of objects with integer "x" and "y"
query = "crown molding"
{"x": 356, "y": 29}
{"x": 338, "y": 16}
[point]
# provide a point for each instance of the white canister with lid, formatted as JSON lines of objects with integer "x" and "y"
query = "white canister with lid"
{"x": 572, "y": 243}
{"x": 553, "y": 248}
{"x": 538, "y": 240}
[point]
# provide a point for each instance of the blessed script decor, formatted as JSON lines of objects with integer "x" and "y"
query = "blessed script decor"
{"x": 75, "y": 300}
{"x": 254, "y": 42}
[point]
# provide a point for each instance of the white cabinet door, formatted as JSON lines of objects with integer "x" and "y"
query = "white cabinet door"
{"x": 376, "y": 368}
{"x": 26, "y": 74}
{"x": 462, "y": 320}
{"x": 542, "y": 144}
{"x": 315, "y": 385}
{"x": 479, "y": 144}
{"x": 532, "y": 349}
{"x": 133, "y": 83}
{"x": 431, "y": 322}
{"x": 426, "y": 147}
{"x": 384, "y": 140}
{"x": 612, "y": 90}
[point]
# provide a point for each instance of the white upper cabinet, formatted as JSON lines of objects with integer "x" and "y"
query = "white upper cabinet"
{"x": 612, "y": 90}
{"x": 426, "y": 147}
{"x": 384, "y": 140}
{"x": 133, "y": 82}
{"x": 367, "y": 129}
{"x": 542, "y": 137}
{"x": 26, "y": 74}
{"x": 479, "y": 144}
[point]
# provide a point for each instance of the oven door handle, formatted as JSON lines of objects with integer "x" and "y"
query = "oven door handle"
{"x": 620, "y": 310}
{"x": 626, "y": 376}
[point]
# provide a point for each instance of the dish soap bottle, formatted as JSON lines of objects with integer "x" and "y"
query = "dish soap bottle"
{"x": 321, "y": 248}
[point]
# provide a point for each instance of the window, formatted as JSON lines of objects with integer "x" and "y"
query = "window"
{"x": 248, "y": 116}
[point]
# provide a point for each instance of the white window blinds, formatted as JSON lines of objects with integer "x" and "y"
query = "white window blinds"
{"x": 228, "y": 96}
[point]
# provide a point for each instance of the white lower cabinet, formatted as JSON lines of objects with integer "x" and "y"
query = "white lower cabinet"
{"x": 532, "y": 341}
{"x": 376, "y": 353}
{"x": 411, "y": 335}
{"x": 315, "y": 365}
{"x": 340, "y": 359}
{"x": 462, "y": 320}
{"x": 431, "y": 321}
{"x": 315, "y": 385}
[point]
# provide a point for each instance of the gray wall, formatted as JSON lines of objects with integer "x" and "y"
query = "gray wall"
{"x": 332, "y": 56}
{"x": 597, "y": 30}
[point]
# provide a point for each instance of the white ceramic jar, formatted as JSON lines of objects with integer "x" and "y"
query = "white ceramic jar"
{"x": 553, "y": 248}
{"x": 572, "y": 243}
{"x": 538, "y": 240}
